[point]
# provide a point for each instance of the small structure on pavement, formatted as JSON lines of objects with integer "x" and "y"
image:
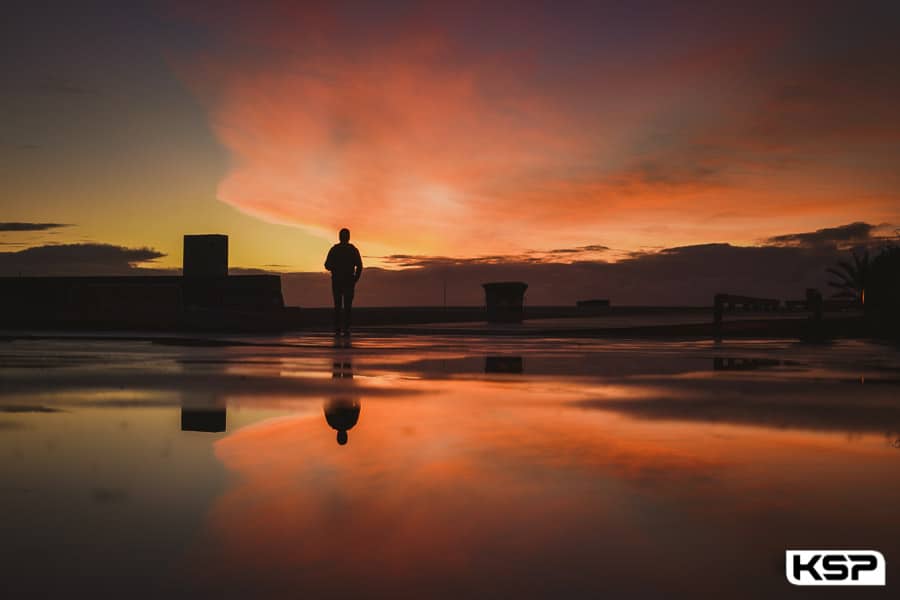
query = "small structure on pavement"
{"x": 505, "y": 301}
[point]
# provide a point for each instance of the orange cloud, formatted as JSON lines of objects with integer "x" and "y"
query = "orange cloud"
{"x": 425, "y": 137}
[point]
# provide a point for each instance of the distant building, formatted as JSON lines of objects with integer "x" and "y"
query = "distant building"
{"x": 593, "y": 305}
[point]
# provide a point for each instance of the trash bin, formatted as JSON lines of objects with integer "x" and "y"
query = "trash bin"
{"x": 502, "y": 364}
{"x": 505, "y": 301}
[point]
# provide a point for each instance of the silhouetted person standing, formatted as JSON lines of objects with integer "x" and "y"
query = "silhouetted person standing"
{"x": 345, "y": 265}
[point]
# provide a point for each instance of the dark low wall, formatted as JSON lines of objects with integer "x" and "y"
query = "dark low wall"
{"x": 141, "y": 302}
{"x": 239, "y": 292}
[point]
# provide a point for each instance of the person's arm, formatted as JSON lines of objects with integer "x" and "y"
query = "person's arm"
{"x": 329, "y": 260}
{"x": 358, "y": 266}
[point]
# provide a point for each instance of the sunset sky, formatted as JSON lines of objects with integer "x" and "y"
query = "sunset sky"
{"x": 527, "y": 131}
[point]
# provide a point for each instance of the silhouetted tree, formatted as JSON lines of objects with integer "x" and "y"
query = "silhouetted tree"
{"x": 851, "y": 277}
{"x": 883, "y": 291}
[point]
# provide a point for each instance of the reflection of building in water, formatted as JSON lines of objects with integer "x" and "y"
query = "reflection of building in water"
{"x": 721, "y": 363}
{"x": 505, "y": 301}
{"x": 502, "y": 364}
{"x": 204, "y": 410}
{"x": 211, "y": 419}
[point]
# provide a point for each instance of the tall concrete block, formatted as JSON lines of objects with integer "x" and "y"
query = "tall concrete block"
{"x": 205, "y": 255}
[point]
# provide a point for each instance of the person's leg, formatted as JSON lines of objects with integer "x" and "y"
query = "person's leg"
{"x": 336, "y": 294}
{"x": 348, "y": 306}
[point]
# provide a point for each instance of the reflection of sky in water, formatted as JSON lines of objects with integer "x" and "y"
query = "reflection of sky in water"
{"x": 471, "y": 466}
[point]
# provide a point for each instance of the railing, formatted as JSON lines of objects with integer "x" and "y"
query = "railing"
{"x": 730, "y": 302}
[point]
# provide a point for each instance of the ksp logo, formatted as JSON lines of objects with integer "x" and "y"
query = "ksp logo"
{"x": 834, "y": 567}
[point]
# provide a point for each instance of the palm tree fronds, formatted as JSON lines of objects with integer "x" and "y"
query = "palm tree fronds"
{"x": 850, "y": 277}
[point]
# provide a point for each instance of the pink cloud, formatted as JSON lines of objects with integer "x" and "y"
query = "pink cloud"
{"x": 398, "y": 126}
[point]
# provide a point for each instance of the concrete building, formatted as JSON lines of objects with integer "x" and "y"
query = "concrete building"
{"x": 205, "y": 297}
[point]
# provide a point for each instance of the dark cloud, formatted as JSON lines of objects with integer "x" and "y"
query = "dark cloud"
{"x": 409, "y": 260}
{"x": 528, "y": 257}
{"x": 49, "y": 86}
{"x": 77, "y": 259}
{"x": 247, "y": 271}
{"x": 61, "y": 86}
{"x": 688, "y": 275}
{"x": 852, "y": 233}
{"x": 18, "y": 226}
{"x": 578, "y": 249}
{"x": 677, "y": 276}
{"x": 834, "y": 86}
{"x": 24, "y": 408}
{"x": 802, "y": 94}
{"x": 676, "y": 165}
{"x": 781, "y": 267}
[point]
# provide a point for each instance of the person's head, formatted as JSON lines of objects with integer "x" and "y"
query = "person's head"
{"x": 342, "y": 437}
{"x": 344, "y": 235}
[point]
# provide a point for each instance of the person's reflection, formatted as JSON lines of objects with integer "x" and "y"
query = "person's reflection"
{"x": 341, "y": 368}
{"x": 342, "y": 412}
